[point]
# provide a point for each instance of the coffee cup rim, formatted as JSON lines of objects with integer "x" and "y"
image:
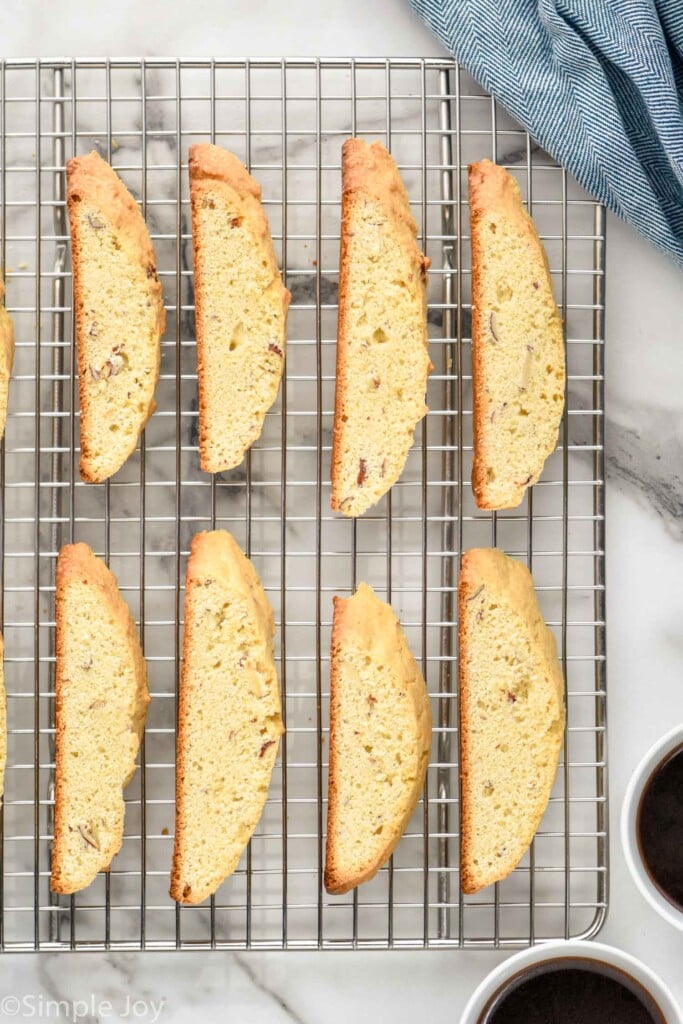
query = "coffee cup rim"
{"x": 569, "y": 949}
{"x": 629, "y": 825}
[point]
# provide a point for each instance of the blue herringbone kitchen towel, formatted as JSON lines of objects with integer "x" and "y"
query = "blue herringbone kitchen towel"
{"x": 597, "y": 83}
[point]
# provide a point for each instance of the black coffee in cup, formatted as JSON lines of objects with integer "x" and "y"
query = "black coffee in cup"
{"x": 572, "y": 990}
{"x": 659, "y": 827}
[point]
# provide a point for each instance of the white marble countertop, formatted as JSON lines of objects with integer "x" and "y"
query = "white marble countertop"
{"x": 644, "y": 550}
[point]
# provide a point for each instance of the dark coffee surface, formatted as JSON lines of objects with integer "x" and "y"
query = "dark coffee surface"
{"x": 660, "y": 828}
{"x": 559, "y": 995}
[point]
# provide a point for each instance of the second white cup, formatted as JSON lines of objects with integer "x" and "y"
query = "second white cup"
{"x": 655, "y": 756}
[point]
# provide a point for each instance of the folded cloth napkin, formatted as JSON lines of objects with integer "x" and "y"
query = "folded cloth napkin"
{"x": 597, "y": 83}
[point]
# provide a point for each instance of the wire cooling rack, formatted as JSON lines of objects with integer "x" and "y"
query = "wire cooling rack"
{"x": 287, "y": 120}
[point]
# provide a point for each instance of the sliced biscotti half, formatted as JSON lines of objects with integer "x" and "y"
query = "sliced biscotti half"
{"x": 101, "y": 704}
{"x": 380, "y": 735}
{"x": 229, "y": 720}
{"x": 518, "y": 360}
{"x": 241, "y": 307}
{"x": 119, "y": 312}
{"x": 6, "y": 357}
{"x": 382, "y": 358}
{"x": 511, "y": 715}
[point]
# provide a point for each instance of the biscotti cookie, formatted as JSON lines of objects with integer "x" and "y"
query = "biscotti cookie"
{"x": 382, "y": 358}
{"x": 6, "y": 357}
{"x": 380, "y": 735}
{"x": 241, "y": 307}
{"x": 101, "y": 704}
{"x": 119, "y": 312}
{"x": 511, "y": 715}
{"x": 518, "y": 362}
{"x": 229, "y": 720}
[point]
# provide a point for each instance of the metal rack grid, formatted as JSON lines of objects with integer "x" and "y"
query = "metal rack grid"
{"x": 287, "y": 120}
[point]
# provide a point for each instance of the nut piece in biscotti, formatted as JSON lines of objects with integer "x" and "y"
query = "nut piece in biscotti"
{"x": 511, "y": 715}
{"x": 101, "y": 705}
{"x": 229, "y": 720}
{"x": 382, "y": 352}
{"x": 6, "y": 357}
{"x": 241, "y": 307}
{"x": 517, "y": 343}
{"x": 380, "y": 735}
{"x": 119, "y": 312}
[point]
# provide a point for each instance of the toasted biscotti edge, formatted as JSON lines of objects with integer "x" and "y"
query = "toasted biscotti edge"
{"x": 212, "y": 553}
{"x": 212, "y": 168}
{"x": 491, "y": 186}
{"x": 489, "y": 564}
{"x": 6, "y": 356}
{"x": 369, "y": 170}
{"x": 77, "y": 561}
{"x": 353, "y": 622}
{"x": 93, "y": 180}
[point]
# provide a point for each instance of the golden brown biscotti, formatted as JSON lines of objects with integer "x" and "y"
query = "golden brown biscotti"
{"x": 101, "y": 705}
{"x": 380, "y": 735}
{"x": 517, "y": 343}
{"x": 120, "y": 317}
{"x": 241, "y": 307}
{"x": 6, "y": 356}
{"x": 229, "y": 720}
{"x": 511, "y": 715}
{"x": 382, "y": 345}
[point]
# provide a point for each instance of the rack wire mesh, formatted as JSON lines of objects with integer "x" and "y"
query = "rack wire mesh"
{"x": 287, "y": 120}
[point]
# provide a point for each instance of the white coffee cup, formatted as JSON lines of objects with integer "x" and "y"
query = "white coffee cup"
{"x": 572, "y": 949}
{"x": 629, "y": 826}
